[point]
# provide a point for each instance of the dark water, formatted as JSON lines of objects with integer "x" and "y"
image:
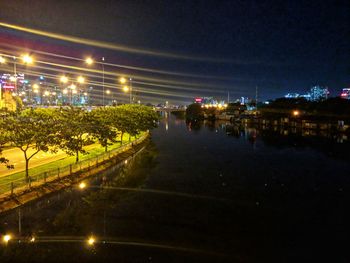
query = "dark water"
{"x": 205, "y": 193}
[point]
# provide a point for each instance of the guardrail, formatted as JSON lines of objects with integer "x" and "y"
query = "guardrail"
{"x": 20, "y": 185}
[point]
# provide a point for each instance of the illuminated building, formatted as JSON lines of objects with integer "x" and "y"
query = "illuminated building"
{"x": 345, "y": 94}
{"x": 318, "y": 93}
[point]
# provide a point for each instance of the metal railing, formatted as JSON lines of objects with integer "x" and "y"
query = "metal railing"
{"x": 12, "y": 187}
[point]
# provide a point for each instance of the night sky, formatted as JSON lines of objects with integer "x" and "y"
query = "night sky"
{"x": 234, "y": 46}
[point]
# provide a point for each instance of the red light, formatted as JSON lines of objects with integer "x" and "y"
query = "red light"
{"x": 343, "y": 94}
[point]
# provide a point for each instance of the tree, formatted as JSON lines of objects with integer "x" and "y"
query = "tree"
{"x": 74, "y": 131}
{"x": 194, "y": 111}
{"x": 31, "y": 131}
{"x": 102, "y": 126}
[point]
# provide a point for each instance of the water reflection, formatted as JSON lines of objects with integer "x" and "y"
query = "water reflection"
{"x": 201, "y": 192}
{"x": 335, "y": 144}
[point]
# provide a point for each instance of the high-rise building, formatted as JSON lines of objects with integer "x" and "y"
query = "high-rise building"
{"x": 318, "y": 93}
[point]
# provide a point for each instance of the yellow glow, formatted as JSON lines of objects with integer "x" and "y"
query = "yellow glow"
{"x": 35, "y": 86}
{"x": 32, "y": 239}
{"x": 53, "y": 93}
{"x": 82, "y": 185}
{"x": 108, "y": 91}
{"x": 12, "y": 78}
{"x": 85, "y": 94}
{"x": 91, "y": 241}
{"x": 122, "y": 80}
{"x": 36, "y": 91}
{"x": 126, "y": 88}
{"x": 73, "y": 86}
{"x": 89, "y": 61}
{"x": 74, "y": 91}
{"x": 2, "y": 60}
{"x": 63, "y": 79}
{"x": 27, "y": 59}
{"x": 47, "y": 93}
{"x": 81, "y": 79}
{"x": 6, "y": 238}
{"x": 65, "y": 91}
{"x": 296, "y": 113}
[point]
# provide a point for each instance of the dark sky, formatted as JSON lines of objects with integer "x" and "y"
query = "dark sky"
{"x": 279, "y": 46}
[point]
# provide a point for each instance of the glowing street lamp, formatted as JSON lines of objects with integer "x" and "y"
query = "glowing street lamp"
{"x": 81, "y": 79}
{"x": 63, "y": 79}
{"x": 89, "y": 61}
{"x": 91, "y": 241}
{"x": 6, "y": 238}
{"x": 296, "y": 113}
{"x": 27, "y": 59}
{"x": 122, "y": 80}
{"x": 82, "y": 185}
{"x": 108, "y": 91}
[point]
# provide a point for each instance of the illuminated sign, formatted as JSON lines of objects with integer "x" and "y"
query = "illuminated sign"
{"x": 8, "y": 87}
{"x": 198, "y": 100}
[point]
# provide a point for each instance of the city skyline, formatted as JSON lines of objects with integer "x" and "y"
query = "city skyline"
{"x": 279, "y": 48}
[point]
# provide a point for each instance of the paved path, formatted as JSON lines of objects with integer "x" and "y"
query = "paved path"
{"x": 16, "y": 157}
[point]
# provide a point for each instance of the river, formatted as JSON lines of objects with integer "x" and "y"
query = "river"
{"x": 199, "y": 192}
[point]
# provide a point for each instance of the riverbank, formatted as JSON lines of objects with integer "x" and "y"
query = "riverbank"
{"x": 34, "y": 191}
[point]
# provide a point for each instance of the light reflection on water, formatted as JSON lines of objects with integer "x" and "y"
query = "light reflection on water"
{"x": 237, "y": 192}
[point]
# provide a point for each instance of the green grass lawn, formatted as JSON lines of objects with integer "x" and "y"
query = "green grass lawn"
{"x": 94, "y": 150}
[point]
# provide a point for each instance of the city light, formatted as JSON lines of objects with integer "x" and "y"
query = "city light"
{"x": 63, "y": 79}
{"x": 32, "y": 240}
{"x": 72, "y": 86}
{"x": 122, "y": 80}
{"x": 296, "y": 113}
{"x": 89, "y": 61}
{"x": 126, "y": 88}
{"x": 65, "y": 91}
{"x": 6, "y": 238}
{"x": 91, "y": 241}
{"x": 81, "y": 79}
{"x": 82, "y": 185}
{"x": 108, "y": 91}
{"x": 27, "y": 59}
{"x": 2, "y": 60}
{"x": 35, "y": 86}
{"x": 12, "y": 78}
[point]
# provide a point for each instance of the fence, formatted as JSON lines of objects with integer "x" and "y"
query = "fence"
{"x": 34, "y": 180}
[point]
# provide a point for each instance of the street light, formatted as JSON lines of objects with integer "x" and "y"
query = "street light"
{"x": 2, "y": 60}
{"x": 27, "y": 59}
{"x": 103, "y": 81}
{"x": 81, "y": 79}
{"x": 122, "y": 80}
{"x": 89, "y": 61}
{"x": 63, "y": 79}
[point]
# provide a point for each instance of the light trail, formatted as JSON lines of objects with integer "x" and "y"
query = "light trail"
{"x": 111, "y": 46}
{"x": 77, "y": 239}
{"x": 150, "y": 70}
{"x": 162, "y": 192}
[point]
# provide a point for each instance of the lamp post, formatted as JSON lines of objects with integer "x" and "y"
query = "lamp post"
{"x": 2, "y": 61}
{"x": 103, "y": 81}
{"x": 122, "y": 80}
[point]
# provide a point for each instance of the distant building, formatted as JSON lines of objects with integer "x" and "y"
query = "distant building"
{"x": 318, "y": 93}
{"x": 292, "y": 95}
{"x": 345, "y": 94}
